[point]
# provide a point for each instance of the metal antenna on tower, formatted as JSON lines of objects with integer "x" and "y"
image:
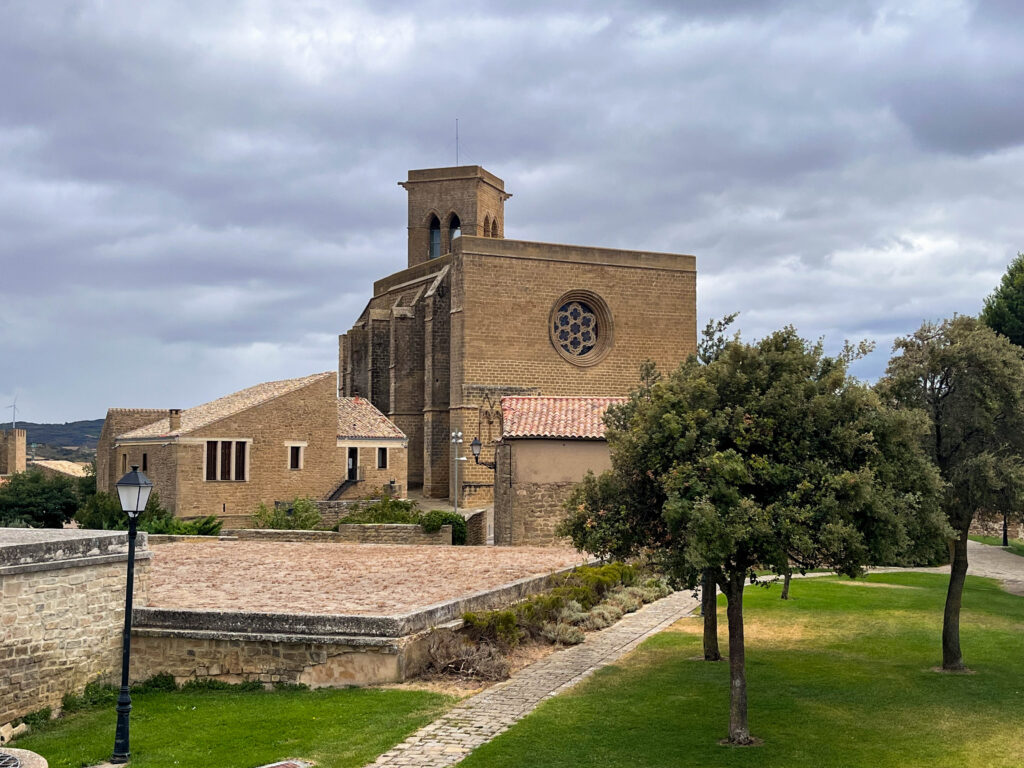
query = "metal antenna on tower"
{"x": 14, "y": 413}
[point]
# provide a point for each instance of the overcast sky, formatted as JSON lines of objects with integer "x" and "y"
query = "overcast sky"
{"x": 196, "y": 197}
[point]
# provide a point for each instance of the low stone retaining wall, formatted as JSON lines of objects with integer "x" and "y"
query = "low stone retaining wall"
{"x": 476, "y": 528}
{"x": 993, "y": 526}
{"x": 318, "y": 650}
{"x": 348, "y": 534}
{"x": 61, "y": 612}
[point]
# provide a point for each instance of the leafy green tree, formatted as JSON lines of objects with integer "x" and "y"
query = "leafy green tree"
{"x": 1004, "y": 309}
{"x": 970, "y": 382}
{"x": 33, "y": 500}
{"x": 768, "y": 455}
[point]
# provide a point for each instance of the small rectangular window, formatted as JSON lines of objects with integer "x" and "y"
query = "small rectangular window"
{"x": 240, "y": 461}
{"x": 295, "y": 457}
{"x": 382, "y": 458}
{"x": 145, "y": 462}
{"x": 124, "y": 462}
{"x": 211, "y": 459}
{"x": 225, "y": 460}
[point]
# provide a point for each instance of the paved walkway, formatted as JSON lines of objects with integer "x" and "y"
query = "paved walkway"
{"x": 482, "y": 717}
{"x": 996, "y": 563}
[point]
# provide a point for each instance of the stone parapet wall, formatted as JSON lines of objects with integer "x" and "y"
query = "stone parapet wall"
{"x": 476, "y": 529}
{"x": 294, "y": 660}
{"x": 351, "y": 534}
{"x": 993, "y": 526}
{"x": 61, "y": 613}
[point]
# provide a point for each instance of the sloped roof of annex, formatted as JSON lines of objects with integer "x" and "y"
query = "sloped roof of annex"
{"x": 359, "y": 419}
{"x": 203, "y": 415}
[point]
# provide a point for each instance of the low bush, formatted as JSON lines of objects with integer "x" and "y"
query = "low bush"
{"x": 450, "y": 653}
{"x": 103, "y": 512}
{"x": 37, "y": 719}
{"x": 435, "y": 518}
{"x": 385, "y": 510}
{"x": 302, "y": 515}
{"x": 563, "y": 634}
{"x": 161, "y": 682}
{"x": 206, "y": 684}
{"x": 95, "y": 694}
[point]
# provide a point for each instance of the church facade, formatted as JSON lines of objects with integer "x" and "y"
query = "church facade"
{"x": 476, "y": 317}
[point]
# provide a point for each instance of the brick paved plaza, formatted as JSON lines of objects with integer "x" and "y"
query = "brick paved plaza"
{"x": 302, "y": 577}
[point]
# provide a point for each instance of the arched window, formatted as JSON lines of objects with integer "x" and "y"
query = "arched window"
{"x": 435, "y": 237}
{"x": 487, "y": 226}
{"x": 454, "y": 229}
{"x": 494, "y": 228}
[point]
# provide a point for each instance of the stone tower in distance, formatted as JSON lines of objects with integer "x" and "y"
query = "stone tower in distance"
{"x": 447, "y": 202}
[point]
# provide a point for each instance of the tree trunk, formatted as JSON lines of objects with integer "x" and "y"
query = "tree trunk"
{"x": 952, "y": 659}
{"x": 709, "y": 610}
{"x": 785, "y": 585}
{"x": 739, "y": 731}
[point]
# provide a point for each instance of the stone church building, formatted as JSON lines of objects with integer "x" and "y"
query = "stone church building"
{"x": 476, "y": 317}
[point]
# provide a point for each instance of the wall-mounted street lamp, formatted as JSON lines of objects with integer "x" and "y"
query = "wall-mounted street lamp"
{"x": 476, "y": 446}
{"x": 133, "y": 490}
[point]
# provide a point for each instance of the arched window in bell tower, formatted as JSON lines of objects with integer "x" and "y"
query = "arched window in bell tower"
{"x": 435, "y": 237}
{"x": 494, "y": 228}
{"x": 454, "y": 229}
{"x": 487, "y": 226}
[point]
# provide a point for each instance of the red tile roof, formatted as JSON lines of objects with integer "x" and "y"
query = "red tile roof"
{"x": 556, "y": 417}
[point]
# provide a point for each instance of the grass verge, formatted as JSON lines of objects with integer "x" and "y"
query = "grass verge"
{"x": 1016, "y": 545}
{"x": 239, "y": 729}
{"x": 840, "y": 676}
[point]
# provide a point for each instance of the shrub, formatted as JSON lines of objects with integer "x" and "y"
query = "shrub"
{"x": 501, "y": 627}
{"x": 103, "y": 511}
{"x": 36, "y": 719}
{"x": 564, "y": 634}
{"x": 302, "y": 515}
{"x": 385, "y": 510}
{"x": 435, "y": 518}
{"x": 450, "y": 653}
{"x": 161, "y": 682}
{"x": 95, "y": 694}
{"x": 207, "y": 684}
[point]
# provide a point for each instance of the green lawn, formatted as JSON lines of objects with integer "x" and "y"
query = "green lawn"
{"x": 1016, "y": 545}
{"x": 233, "y": 729}
{"x": 839, "y": 676}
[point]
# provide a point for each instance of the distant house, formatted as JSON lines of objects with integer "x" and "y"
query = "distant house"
{"x": 548, "y": 445}
{"x": 12, "y": 452}
{"x": 59, "y": 468}
{"x": 271, "y": 442}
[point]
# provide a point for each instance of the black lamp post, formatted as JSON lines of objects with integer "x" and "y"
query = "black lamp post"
{"x": 133, "y": 490}
{"x": 476, "y": 446}
{"x": 1006, "y": 538}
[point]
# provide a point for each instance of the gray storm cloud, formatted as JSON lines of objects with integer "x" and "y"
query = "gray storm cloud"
{"x": 195, "y": 199}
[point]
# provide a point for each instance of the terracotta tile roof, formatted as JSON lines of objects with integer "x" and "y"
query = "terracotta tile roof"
{"x": 560, "y": 417}
{"x": 215, "y": 410}
{"x": 70, "y": 468}
{"x": 358, "y": 419}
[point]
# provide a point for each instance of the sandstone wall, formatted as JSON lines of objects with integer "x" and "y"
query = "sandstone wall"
{"x": 268, "y": 661}
{"x": 352, "y": 534}
{"x": 61, "y": 613}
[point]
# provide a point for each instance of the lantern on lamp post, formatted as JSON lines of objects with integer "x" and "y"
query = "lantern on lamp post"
{"x": 133, "y": 490}
{"x": 476, "y": 446}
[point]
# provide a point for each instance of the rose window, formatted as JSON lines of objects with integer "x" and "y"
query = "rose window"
{"x": 575, "y": 328}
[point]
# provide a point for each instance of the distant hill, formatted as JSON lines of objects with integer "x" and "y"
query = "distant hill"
{"x": 74, "y": 440}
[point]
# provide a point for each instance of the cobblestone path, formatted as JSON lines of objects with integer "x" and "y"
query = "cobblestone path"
{"x": 480, "y": 718}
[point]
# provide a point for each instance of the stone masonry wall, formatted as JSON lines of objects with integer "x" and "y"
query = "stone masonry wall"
{"x": 268, "y": 661}
{"x": 531, "y": 514}
{"x": 993, "y": 526}
{"x": 379, "y": 533}
{"x": 60, "y": 623}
